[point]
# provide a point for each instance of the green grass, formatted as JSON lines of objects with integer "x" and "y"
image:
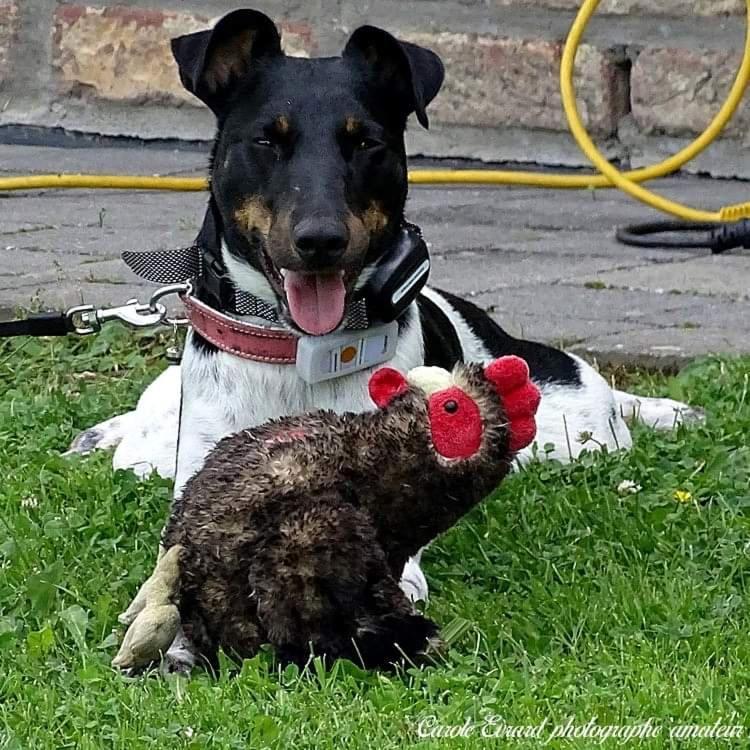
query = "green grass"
{"x": 566, "y": 598}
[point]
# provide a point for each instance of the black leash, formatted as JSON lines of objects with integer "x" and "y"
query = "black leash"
{"x": 41, "y": 324}
{"x": 685, "y": 234}
{"x": 84, "y": 320}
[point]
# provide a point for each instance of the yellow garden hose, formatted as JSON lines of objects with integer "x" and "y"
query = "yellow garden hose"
{"x": 104, "y": 182}
{"x": 603, "y": 180}
{"x": 623, "y": 181}
{"x": 609, "y": 176}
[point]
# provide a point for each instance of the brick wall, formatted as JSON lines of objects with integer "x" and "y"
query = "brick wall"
{"x": 8, "y": 32}
{"x": 650, "y": 76}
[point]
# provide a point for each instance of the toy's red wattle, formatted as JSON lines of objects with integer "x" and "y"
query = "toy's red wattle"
{"x": 510, "y": 375}
{"x": 385, "y": 384}
{"x": 456, "y": 423}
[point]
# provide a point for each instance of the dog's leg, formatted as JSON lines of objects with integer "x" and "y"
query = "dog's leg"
{"x": 144, "y": 438}
{"x": 574, "y": 418}
{"x": 210, "y": 410}
{"x": 201, "y": 428}
{"x": 151, "y": 443}
{"x": 659, "y": 413}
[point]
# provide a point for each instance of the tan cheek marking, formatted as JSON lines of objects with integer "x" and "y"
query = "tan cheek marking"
{"x": 374, "y": 218}
{"x": 352, "y": 125}
{"x": 279, "y": 238}
{"x": 359, "y": 237}
{"x": 254, "y": 215}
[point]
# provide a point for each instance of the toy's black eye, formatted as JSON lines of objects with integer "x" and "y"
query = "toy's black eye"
{"x": 451, "y": 407}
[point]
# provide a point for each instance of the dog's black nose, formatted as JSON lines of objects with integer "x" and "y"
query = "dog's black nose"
{"x": 321, "y": 240}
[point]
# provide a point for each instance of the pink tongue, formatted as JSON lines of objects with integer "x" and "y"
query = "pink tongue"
{"x": 317, "y": 302}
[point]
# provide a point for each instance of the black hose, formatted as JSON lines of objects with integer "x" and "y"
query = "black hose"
{"x": 715, "y": 237}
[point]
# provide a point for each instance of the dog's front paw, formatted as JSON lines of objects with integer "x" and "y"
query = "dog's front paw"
{"x": 690, "y": 415}
{"x": 105, "y": 435}
{"x": 413, "y": 583}
{"x": 179, "y": 660}
{"x": 510, "y": 376}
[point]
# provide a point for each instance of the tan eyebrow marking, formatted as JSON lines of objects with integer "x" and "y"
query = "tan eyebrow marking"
{"x": 352, "y": 125}
{"x": 282, "y": 124}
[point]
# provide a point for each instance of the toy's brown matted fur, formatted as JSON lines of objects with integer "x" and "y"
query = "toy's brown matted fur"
{"x": 295, "y": 533}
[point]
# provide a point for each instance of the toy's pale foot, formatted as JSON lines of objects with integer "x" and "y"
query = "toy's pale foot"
{"x": 150, "y": 586}
{"x": 153, "y": 617}
{"x": 148, "y": 637}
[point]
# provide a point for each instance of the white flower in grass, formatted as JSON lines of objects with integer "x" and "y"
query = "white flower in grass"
{"x": 628, "y": 487}
{"x": 29, "y": 502}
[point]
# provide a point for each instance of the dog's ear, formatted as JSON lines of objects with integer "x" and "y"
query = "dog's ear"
{"x": 398, "y": 65}
{"x": 212, "y": 61}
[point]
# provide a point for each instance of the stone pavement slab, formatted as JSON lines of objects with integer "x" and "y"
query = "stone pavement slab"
{"x": 481, "y": 271}
{"x": 723, "y": 275}
{"x": 544, "y": 263}
{"x": 666, "y": 348}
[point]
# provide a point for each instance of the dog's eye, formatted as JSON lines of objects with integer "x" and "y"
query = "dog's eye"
{"x": 367, "y": 143}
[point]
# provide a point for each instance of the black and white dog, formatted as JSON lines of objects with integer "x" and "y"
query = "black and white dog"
{"x": 308, "y": 188}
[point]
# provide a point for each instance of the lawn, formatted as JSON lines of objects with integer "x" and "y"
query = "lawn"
{"x": 565, "y": 599}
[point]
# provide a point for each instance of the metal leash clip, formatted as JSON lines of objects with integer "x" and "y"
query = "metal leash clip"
{"x": 87, "y": 319}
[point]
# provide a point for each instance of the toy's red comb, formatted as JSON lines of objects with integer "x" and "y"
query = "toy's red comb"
{"x": 510, "y": 376}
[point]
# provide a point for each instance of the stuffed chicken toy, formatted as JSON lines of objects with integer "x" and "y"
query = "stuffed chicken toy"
{"x": 295, "y": 533}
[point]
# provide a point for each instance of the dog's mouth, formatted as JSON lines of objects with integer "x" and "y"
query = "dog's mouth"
{"x": 315, "y": 302}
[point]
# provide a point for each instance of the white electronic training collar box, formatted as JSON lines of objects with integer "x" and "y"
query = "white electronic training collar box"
{"x": 322, "y": 358}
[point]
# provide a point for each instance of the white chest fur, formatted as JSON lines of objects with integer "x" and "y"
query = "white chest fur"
{"x": 223, "y": 394}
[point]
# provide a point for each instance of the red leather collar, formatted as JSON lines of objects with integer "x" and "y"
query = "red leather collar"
{"x": 239, "y": 338}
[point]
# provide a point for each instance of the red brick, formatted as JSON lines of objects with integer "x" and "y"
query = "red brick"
{"x": 142, "y": 18}
{"x": 494, "y": 81}
{"x": 122, "y": 54}
{"x": 8, "y": 31}
{"x": 676, "y": 8}
{"x": 678, "y": 91}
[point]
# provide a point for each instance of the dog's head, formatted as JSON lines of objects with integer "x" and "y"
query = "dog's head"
{"x": 309, "y": 166}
